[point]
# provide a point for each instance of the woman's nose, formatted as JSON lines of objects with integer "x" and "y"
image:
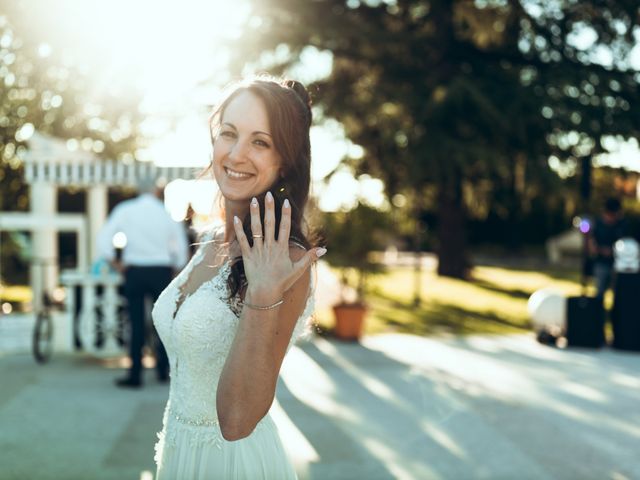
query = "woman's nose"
{"x": 238, "y": 150}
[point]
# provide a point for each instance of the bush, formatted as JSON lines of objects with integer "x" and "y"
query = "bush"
{"x": 351, "y": 237}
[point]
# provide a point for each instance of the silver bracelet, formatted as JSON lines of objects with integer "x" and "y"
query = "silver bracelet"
{"x": 269, "y": 307}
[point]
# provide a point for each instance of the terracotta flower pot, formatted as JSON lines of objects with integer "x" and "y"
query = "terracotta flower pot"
{"x": 349, "y": 320}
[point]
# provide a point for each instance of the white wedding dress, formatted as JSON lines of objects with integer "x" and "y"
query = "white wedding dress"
{"x": 197, "y": 340}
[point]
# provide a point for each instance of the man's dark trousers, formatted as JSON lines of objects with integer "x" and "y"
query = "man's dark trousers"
{"x": 139, "y": 283}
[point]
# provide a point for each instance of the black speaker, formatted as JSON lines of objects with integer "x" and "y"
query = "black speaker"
{"x": 625, "y": 316}
{"x": 585, "y": 322}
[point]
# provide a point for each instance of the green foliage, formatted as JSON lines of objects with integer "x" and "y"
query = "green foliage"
{"x": 493, "y": 302}
{"x": 55, "y": 99}
{"x": 42, "y": 90}
{"x": 467, "y": 97}
{"x": 352, "y": 236}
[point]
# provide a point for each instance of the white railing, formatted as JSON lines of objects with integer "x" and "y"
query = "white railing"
{"x": 109, "y": 303}
{"x": 107, "y": 172}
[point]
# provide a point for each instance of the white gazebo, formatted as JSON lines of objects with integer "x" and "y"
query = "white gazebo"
{"x": 50, "y": 164}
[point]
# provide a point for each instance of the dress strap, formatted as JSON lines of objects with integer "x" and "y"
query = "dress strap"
{"x": 198, "y": 257}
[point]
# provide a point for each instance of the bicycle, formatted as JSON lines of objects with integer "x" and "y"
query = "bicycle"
{"x": 42, "y": 340}
{"x": 43, "y": 333}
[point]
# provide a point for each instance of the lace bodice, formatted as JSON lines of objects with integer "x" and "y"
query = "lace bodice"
{"x": 198, "y": 340}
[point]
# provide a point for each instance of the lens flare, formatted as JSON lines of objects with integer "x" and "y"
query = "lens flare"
{"x": 585, "y": 226}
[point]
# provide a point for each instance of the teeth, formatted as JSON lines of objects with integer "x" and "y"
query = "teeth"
{"x": 234, "y": 174}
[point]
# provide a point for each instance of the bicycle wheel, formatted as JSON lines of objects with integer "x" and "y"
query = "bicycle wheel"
{"x": 42, "y": 337}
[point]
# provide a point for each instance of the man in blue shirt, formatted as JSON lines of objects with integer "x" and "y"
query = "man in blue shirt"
{"x": 608, "y": 229}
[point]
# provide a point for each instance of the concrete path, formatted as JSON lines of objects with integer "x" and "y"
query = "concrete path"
{"x": 395, "y": 406}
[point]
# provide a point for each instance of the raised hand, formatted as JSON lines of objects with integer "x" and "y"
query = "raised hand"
{"x": 267, "y": 265}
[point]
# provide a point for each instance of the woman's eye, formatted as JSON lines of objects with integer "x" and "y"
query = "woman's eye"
{"x": 261, "y": 143}
{"x": 228, "y": 134}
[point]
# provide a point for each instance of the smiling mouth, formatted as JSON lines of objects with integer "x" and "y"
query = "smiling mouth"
{"x": 237, "y": 175}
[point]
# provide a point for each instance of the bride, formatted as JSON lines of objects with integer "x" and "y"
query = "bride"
{"x": 228, "y": 319}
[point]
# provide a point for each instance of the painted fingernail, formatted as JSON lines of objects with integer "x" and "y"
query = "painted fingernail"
{"x": 321, "y": 251}
{"x": 254, "y": 201}
{"x": 269, "y": 197}
{"x": 236, "y": 220}
{"x": 286, "y": 203}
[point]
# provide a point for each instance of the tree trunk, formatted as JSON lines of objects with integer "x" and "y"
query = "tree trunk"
{"x": 453, "y": 258}
{"x": 417, "y": 251}
{"x": 513, "y": 237}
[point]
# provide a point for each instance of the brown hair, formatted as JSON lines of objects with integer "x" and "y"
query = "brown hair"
{"x": 288, "y": 108}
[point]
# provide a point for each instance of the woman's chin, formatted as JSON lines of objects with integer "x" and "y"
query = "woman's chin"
{"x": 237, "y": 194}
{"x": 242, "y": 189}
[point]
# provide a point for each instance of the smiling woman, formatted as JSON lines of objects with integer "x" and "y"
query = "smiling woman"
{"x": 243, "y": 135}
{"x": 229, "y": 318}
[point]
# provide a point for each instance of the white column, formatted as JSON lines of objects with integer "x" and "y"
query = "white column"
{"x": 44, "y": 201}
{"x": 97, "y": 206}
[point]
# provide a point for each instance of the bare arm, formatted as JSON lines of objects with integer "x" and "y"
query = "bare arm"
{"x": 247, "y": 385}
{"x": 594, "y": 249}
{"x": 274, "y": 271}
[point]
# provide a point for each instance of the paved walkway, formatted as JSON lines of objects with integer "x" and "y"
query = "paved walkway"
{"x": 396, "y": 406}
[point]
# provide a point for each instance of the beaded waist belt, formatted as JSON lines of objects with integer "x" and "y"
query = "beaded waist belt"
{"x": 196, "y": 422}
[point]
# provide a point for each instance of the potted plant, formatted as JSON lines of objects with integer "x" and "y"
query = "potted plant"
{"x": 353, "y": 236}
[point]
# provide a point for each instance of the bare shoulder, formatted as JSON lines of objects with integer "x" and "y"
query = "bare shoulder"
{"x": 296, "y": 251}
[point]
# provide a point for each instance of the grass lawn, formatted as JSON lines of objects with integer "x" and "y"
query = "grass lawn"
{"x": 494, "y": 301}
{"x": 15, "y": 293}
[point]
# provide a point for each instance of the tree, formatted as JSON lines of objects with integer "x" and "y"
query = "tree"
{"x": 352, "y": 237}
{"x": 454, "y": 101}
{"x": 41, "y": 92}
